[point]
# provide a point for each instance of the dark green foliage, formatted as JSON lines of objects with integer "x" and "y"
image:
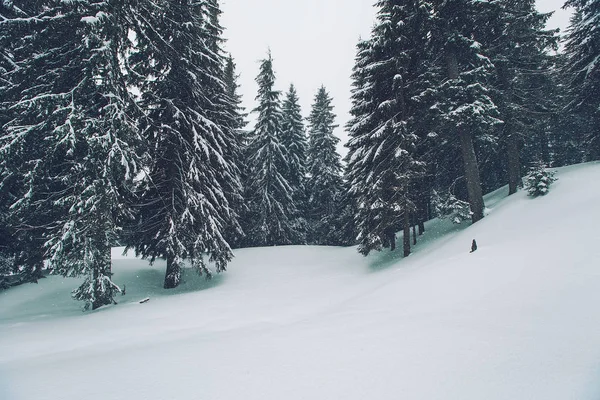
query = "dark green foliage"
{"x": 383, "y": 162}
{"x": 269, "y": 194}
{"x": 324, "y": 181}
{"x": 538, "y": 180}
{"x": 189, "y": 193}
{"x": 72, "y": 143}
{"x": 582, "y": 70}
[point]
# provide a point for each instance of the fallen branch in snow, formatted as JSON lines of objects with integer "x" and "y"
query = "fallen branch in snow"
{"x": 145, "y": 300}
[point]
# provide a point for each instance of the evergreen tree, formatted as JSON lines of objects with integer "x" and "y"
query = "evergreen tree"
{"x": 231, "y": 88}
{"x": 520, "y": 50}
{"x": 188, "y": 194}
{"x": 582, "y": 48}
{"x": 270, "y": 195}
{"x": 235, "y": 237}
{"x": 462, "y": 96}
{"x": 71, "y": 141}
{"x": 539, "y": 179}
{"x": 294, "y": 141}
{"x": 383, "y": 169}
{"x": 324, "y": 170}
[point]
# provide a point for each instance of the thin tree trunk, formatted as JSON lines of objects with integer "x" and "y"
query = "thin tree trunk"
{"x": 414, "y": 231}
{"x": 422, "y": 212}
{"x": 406, "y": 238}
{"x": 392, "y": 239}
{"x": 173, "y": 274}
{"x": 514, "y": 162}
{"x": 472, "y": 175}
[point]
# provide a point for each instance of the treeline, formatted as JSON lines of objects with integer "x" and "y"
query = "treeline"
{"x": 452, "y": 98}
{"x": 121, "y": 123}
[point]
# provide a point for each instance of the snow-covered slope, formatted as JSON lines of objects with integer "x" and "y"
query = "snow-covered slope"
{"x": 518, "y": 319}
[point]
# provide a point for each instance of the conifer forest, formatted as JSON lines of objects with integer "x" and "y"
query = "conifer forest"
{"x": 122, "y": 124}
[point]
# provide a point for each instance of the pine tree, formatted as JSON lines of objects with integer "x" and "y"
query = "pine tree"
{"x": 270, "y": 195}
{"x": 231, "y": 88}
{"x": 294, "y": 141}
{"x": 520, "y": 50}
{"x": 582, "y": 48}
{"x": 72, "y": 141}
{"x": 538, "y": 180}
{"x": 235, "y": 236}
{"x": 324, "y": 169}
{"x": 188, "y": 194}
{"x": 462, "y": 95}
{"x": 383, "y": 169}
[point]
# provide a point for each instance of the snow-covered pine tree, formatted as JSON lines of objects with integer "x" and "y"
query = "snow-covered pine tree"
{"x": 538, "y": 180}
{"x": 72, "y": 138}
{"x": 382, "y": 165}
{"x": 582, "y": 48}
{"x": 270, "y": 196}
{"x": 520, "y": 50}
{"x": 234, "y": 236}
{"x": 188, "y": 192}
{"x": 231, "y": 87}
{"x": 294, "y": 140}
{"x": 462, "y": 95}
{"x": 324, "y": 183}
{"x": 566, "y": 129}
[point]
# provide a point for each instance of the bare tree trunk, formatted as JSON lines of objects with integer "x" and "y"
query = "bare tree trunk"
{"x": 173, "y": 274}
{"x": 472, "y": 175}
{"x": 392, "y": 239}
{"x": 414, "y": 231}
{"x": 406, "y": 238}
{"x": 514, "y": 162}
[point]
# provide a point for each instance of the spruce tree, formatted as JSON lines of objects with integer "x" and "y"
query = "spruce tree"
{"x": 324, "y": 181}
{"x": 235, "y": 236}
{"x": 187, "y": 196}
{"x": 582, "y": 50}
{"x": 462, "y": 96}
{"x": 293, "y": 139}
{"x": 520, "y": 51}
{"x": 72, "y": 141}
{"x": 383, "y": 167}
{"x": 270, "y": 195}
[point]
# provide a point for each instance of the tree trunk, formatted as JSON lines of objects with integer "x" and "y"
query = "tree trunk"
{"x": 422, "y": 213}
{"x": 468, "y": 152}
{"x": 173, "y": 274}
{"x": 514, "y": 162}
{"x": 103, "y": 294}
{"x": 472, "y": 175}
{"x": 392, "y": 239}
{"x": 406, "y": 238}
{"x": 414, "y": 231}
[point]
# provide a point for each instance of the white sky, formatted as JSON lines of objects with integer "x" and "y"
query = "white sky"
{"x": 312, "y": 43}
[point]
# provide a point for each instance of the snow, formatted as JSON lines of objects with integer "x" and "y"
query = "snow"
{"x": 517, "y": 319}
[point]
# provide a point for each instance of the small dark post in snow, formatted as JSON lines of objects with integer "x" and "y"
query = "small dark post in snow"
{"x": 473, "y": 246}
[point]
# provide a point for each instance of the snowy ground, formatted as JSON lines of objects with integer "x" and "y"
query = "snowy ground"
{"x": 518, "y": 319}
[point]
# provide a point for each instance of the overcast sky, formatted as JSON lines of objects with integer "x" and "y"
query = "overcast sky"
{"x": 312, "y": 43}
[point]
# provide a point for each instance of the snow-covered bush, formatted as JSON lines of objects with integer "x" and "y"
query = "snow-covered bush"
{"x": 539, "y": 179}
{"x": 447, "y": 206}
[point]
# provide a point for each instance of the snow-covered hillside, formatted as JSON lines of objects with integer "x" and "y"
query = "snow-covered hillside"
{"x": 517, "y": 319}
